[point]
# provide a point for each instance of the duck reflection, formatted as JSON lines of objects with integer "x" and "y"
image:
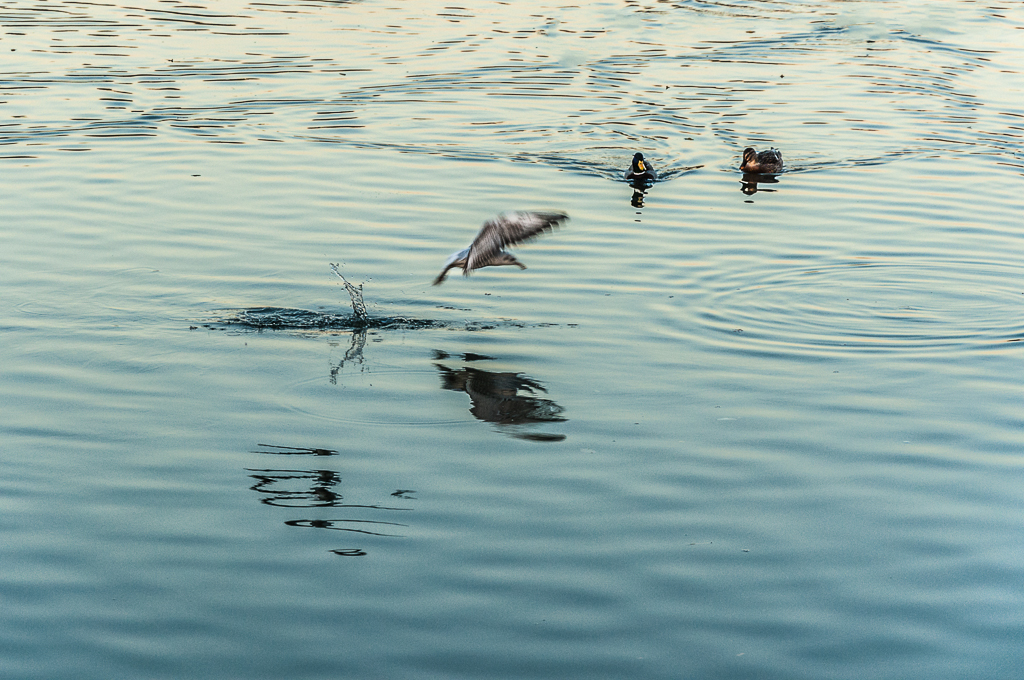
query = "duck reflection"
{"x": 749, "y": 182}
{"x": 504, "y": 398}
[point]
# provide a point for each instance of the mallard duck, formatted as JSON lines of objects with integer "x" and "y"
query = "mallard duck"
{"x": 768, "y": 162}
{"x": 507, "y": 229}
{"x": 640, "y": 171}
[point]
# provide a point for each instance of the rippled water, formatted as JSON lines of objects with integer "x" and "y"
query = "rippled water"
{"x": 724, "y": 427}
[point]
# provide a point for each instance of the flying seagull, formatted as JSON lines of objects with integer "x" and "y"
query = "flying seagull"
{"x": 507, "y": 229}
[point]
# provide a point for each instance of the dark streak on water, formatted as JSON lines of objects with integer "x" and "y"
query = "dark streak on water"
{"x": 274, "y": 318}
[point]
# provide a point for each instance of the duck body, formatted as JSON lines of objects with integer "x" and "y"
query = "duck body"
{"x": 507, "y": 229}
{"x": 640, "y": 171}
{"x": 767, "y": 162}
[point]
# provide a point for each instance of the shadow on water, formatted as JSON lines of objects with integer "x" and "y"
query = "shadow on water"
{"x": 506, "y": 399}
{"x": 319, "y": 488}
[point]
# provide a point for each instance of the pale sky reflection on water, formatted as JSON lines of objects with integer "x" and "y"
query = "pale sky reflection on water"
{"x": 739, "y": 431}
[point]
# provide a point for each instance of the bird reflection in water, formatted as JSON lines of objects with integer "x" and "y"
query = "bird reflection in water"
{"x": 295, "y": 450}
{"x": 319, "y": 489}
{"x": 343, "y": 525}
{"x": 297, "y": 488}
{"x": 503, "y": 398}
{"x": 637, "y": 200}
{"x": 749, "y": 182}
{"x": 640, "y": 188}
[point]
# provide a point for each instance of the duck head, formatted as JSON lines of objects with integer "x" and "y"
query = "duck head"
{"x": 749, "y": 163}
{"x": 639, "y": 166}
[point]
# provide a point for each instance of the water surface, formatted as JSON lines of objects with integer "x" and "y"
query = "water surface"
{"x": 721, "y": 429}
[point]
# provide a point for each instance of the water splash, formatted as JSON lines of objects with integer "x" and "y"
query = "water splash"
{"x": 358, "y": 306}
{"x": 278, "y": 318}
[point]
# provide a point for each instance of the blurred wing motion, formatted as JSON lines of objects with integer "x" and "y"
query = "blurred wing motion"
{"x": 507, "y": 229}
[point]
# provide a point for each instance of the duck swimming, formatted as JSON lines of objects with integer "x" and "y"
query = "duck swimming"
{"x": 640, "y": 171}
{"x": 507, "y": 229}
{"x": 768, "y": 162}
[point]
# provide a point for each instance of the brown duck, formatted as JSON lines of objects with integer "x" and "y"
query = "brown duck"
{"x": 768, "y": 162}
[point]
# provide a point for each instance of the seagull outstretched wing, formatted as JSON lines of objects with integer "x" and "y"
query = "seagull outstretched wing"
{"x": 506, "y": 230}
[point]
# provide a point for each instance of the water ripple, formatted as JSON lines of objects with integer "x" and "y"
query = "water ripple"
{"x": 867, "y": 305}
{"x": 580, "y": 98}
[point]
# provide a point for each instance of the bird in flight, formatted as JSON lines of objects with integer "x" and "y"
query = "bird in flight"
{"x": 507, "y": 229}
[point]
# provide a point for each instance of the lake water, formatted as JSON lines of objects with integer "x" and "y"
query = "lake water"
{"x": 722, "y": 429}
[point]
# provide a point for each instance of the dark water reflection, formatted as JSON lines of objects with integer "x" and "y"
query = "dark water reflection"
{"x": 295, "y": 450}
{"x": 351, "y": 525}
{"x": 507, "y": 399}
{"x": 319, "y": 488}
{"x": 749, "y": 183}
{"x": 637, "y": 199}
{"x": 319, "y": 493}
{"x": 640, "y": 190}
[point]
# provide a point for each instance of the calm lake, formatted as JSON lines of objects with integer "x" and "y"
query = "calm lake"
{"x": 721, "y": 427}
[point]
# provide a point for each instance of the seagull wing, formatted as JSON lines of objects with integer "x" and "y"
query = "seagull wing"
{"x": 506, "y": 230}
